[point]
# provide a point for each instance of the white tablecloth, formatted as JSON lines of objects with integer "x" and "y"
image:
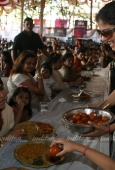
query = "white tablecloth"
{"x": 97, "y": 88}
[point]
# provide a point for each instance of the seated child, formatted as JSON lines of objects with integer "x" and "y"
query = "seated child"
{"x": 20, "y": 102}
{"x": 46, "y": 72}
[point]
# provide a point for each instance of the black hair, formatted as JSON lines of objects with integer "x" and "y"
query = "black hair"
{"x": 47, "y": 67}
{"x": 1, "y": 82}
{"x": 50, "y": 47}
{"x": 7, "y": 58}
{"x": 80, "y": 50}
{"x": 28, "y": 19}
{"x": 66, "y": 56}
{"x": 107, "y": 13}
{"x": 18, "y": 91}
{"x": 53, "y": 58}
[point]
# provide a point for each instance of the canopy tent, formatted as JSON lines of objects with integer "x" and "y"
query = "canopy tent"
{"x": 9, "y": 5}
{"x": 4, "y": 2}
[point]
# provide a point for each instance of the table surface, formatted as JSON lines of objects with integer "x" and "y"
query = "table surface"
{"x": 98, "y": 89}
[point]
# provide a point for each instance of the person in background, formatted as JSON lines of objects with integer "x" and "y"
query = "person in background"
{"x": 55, "y": 41}
{"x": 20, "y": 102}
{"x": 7, "y": 63}
{"x": 100, "y": 159}
{"x": 80, "y": 62}
{"x": 27, "y": 40}
{"x": 68, "y": 72}
{"x": 49, "y": 49}
{"x": 55, "y": 61}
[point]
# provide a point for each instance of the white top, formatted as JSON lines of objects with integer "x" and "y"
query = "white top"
{"x": 47, "y": 84}
{"x": 15, "y": 81}
{"x": 58, "y": 85}
{"x": 8, "y": 120}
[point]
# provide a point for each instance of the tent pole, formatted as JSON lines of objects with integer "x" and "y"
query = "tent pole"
{"x": 41, "y": 17}
{"x": 22, "y": 12}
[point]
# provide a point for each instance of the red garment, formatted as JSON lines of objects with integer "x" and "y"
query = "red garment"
{"x": 77, "y": 63}
{"x": 24, "y": 114}
{"x": 8, "y": 69}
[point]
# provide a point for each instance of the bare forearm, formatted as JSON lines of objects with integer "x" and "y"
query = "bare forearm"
{"x": 100, "y": 159}
{"x": 13, "y": 55}
{"x": 18, "y": 117}
{"x": 45, "y": 52}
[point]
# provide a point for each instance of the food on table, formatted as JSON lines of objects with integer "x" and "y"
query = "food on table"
{"x": 74, "y": 96}
{"x": 83, "y": 118}
{"x": 54, "y": 150}
{"x": 31, "y": 151}
{"x": 35, "y": 153}
{"x": 29, "y": 127}
{"x": 44, "y": 128}
{"x": 38, "y": 129}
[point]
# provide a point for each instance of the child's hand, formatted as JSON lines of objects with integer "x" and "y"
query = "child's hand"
{"x": 38, "y": 64}
{"x": 17, "y": 132}
{"x": 20, "y": 105}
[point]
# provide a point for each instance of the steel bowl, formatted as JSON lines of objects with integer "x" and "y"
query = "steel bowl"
{"x": 79, "y": 128}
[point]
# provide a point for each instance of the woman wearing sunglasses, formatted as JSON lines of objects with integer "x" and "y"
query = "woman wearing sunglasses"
{"x": 106, "y": 22}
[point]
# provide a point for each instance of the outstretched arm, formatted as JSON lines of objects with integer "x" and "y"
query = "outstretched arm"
{"x": 102, "y": 160}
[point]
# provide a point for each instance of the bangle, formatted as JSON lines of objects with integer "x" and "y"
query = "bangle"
{"x": 85, "y": 150}
{"x": 40, "y": 77}
{"x": 109, "y": 128}
{"x": 1, "y": 141}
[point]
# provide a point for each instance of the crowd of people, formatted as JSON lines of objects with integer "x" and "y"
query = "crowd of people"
{"x": 38, "y": 72}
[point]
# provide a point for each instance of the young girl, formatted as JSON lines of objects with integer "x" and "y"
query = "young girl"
{"x": 20, "y": 102}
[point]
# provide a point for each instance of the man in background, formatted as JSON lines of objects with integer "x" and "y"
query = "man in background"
{"x": 27, "y": 40}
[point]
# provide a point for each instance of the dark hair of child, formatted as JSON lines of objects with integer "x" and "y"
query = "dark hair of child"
{"x": 18, "y": 91}
{"x": 47, "y": 67}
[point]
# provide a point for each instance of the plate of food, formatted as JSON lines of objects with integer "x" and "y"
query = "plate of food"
{"x": 29, "y": 127}
{"x": 37, "y": 129}
{"x": 36, "y": 154}
{"x": 45, "y": 129}
{"x": 75, "y": 97}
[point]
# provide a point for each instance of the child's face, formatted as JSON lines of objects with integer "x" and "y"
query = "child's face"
{"x": 2, "y": 97}
{"x": 45, "y": 73}
{"x": 22, "y": 97}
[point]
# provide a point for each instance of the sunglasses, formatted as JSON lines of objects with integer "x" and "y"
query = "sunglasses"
{"x": 106, "y": 33}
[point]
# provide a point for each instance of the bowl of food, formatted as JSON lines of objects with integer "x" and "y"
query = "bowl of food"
{"x": 76, "y": 120}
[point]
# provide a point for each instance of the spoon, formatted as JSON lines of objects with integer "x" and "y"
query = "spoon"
{"x": 79, "y": 94}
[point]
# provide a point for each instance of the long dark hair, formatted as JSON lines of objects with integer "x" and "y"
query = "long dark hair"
{"x": 18, "y": 91}
{"x": 17, "y": 67}
{"x": 107, "y": 14}
{"x": 7, "y": 58}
